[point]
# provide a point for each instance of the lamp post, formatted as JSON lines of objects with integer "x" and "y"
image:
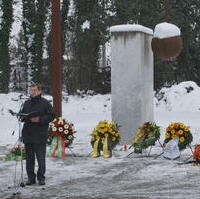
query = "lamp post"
{"x": 56, "y": 58}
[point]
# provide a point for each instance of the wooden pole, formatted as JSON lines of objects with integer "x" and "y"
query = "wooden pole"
{"x": 56, "y": 58}
{"x": 167, "y": 8}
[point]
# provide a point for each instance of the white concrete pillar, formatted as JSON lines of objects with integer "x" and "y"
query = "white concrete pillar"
{"x": 131, "y": 78}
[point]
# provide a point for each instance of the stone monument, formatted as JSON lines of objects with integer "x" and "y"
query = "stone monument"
{"x": 131, "y": 78}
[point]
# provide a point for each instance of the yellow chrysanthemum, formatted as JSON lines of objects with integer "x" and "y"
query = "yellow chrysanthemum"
{"x": 110, "y": 130}
{"x": 180, "y": 132}
{"x": 104, "y": 130}
{"x": 167, "y": 135}
{"x": 117, "y": 134}
{"x": 181, "y": 139}
{"x": 171, "y": 125}
{"x": 173, "y": 132}
{"x": 113, "y": 139}
{"x": 182, "y": 125}
{"x": 99, "y": 126}
{"x": 186, "y": 129}
{"x": 174, "y": 136}
{"x": 112, "y": 133}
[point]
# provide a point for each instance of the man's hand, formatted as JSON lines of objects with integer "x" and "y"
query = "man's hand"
{"x": 35, "y": 119}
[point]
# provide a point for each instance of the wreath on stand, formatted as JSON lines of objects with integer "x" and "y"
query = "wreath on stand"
{"x": 17, "y": 153}
{"x": 146, "y": 136}
{"x": 61, "y": 136}
{"x": 105, "y": 137}
{"x": 196, "y": 154}
{"x": 180, "y": 131}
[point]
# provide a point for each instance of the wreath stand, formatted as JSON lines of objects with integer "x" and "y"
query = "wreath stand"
{"x": 72, "y": 153}
{"x": 188, "y": 161}
{"x": 185, "y": 161}
{"x": 149, "y": 152}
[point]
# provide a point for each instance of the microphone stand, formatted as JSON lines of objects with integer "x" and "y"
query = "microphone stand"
{"x": 19, "y": 141}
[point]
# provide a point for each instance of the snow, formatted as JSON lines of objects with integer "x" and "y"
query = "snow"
{"x": 1, "y": 13}
{"x": 85, "y": 25}
{"x": 17, "y": 23}
{"x": 118, "y": 177}
{"x": 71, "y": 8}
{"x": 131, "y": 28}
{"x": 166, "y": 30}
{"x": 182, "y": 97}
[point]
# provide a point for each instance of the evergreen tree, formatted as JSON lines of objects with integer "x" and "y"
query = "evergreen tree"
{"x": 29, "y": 13}
{"x": 5, "y": 30}
{"x": 39, "y": 23}
{"x": 34, "y": 13}
{"x": 91, "y": 21}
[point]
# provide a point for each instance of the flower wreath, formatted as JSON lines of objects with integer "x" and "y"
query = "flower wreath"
{"x": 196, "y": 153}
{"x": 61, "y": 135}
{"x": 16, "y": 153}
{"x": 105, "y": 137}
{"x": 180, "y": 131}
{"x": 146, "y": 136}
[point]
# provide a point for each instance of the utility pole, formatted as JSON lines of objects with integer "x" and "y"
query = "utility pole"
{"x": 56, "y": 58}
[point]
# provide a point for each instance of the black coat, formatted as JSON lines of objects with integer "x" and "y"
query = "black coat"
{"x": 37, "y": 133}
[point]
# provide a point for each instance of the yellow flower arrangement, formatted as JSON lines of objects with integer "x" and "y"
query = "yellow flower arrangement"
{"x": 180, "y": 131}
{"x": 104, "y": 137}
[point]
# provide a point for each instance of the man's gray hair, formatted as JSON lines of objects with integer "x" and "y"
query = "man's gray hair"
{"x": 36, "y": 85}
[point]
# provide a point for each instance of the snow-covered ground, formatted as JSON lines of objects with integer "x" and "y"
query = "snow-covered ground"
{"x": 118, "y": 177}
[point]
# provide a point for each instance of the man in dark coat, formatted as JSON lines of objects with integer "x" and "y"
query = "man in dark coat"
{"x": 35, "y": 132}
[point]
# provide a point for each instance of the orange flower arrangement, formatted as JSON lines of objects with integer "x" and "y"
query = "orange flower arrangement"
{"x": 196, "y": 153}
{"x": 180, "y": 131}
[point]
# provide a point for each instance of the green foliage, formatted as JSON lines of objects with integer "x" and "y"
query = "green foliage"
{"x": 5, "y": 29}
{"x": 34, "y": 13}
{"x": 85, "y": 45}
{"x": 146, "y": 136}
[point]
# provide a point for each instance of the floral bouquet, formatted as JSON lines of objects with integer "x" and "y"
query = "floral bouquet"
{"x": 105, "y": 137}
{"x": 16, "y": 153}
{"x": 61, "y": 135}
{"x": 180, "y": 131}
{"x": 196, "y": 154}
{"x": 146, "y": 136}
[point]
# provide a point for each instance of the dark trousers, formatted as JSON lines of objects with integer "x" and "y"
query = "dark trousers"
{"x": 38, "y": 150}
